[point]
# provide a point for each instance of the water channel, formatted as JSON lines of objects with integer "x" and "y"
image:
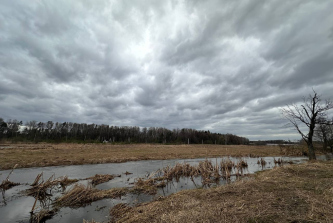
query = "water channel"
{"x": 15, "y": 206}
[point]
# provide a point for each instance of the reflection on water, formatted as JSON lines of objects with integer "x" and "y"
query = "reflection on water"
{"x": 15, "y": 207}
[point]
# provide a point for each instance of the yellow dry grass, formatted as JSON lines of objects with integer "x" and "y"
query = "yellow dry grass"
{"x": 295, "y": 193}
{"x": 46, "y": 154}
{"x": 101, "y": 178}
{"x": 80, "y": 196}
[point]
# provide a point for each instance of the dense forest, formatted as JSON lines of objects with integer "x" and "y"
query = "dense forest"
{"x": 33, "y": 131}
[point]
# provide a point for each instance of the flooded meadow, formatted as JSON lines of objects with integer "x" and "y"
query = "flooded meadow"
{"x": 77, "y": 192}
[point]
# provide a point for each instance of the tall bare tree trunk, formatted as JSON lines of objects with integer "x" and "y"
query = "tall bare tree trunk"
{"x": 312, "y": 155}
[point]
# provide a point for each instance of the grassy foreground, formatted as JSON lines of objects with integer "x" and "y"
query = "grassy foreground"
{"x": 295, "y": 193}
{"x": 48, "y": 154}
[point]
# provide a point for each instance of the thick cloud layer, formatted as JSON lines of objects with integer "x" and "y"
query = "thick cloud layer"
{"x": 226, "y": 66}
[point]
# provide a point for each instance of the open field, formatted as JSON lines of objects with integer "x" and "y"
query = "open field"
{"x": 295, "y": 193}
{"x": 44, "y": 154}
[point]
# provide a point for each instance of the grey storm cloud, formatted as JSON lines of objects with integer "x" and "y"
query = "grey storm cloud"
{"x": 224, "y": 66}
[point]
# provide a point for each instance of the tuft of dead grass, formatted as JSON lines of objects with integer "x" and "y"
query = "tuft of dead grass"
{"x": 118, "y": 210}
{"x": 101, "y": 178}
{"x": 147, "y": 186}
{"x": 80, "y": 196}
{"x": 7, "y": 184}
{"x": 41, "y": 189}
{"x": 65, "y": 181}
{"x": 295, "y": 193}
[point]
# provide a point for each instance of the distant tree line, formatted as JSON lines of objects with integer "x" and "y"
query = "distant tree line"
{"x": 34, "y": 131}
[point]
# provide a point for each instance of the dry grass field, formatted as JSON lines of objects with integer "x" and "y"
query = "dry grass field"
{"x": 294, "y": 193}
{"x": 44, "y": 154}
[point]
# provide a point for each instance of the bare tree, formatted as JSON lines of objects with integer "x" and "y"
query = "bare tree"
{"x": 310, "y": 113}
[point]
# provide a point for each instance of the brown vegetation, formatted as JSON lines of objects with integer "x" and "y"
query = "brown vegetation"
{"x": 147, "y": 186}
{"x": 101, "y": 178}
{"x": 65, "y": 181}
{"x": 41, "y": 189}
{"x": 42, "y": 215}
{"x": 43, "y": 154}
{"x": 7, "y": 184}
{"x": 118, "y": 210}
{"x": 293, "y": 193}
{"x": 262, "y": 162}
{"x": 81, "y": 195}
{"x": 293, "y": 150}
{"x": 210, "y": 174}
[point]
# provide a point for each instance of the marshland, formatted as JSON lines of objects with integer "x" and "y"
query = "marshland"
{"x": 51, "y": 154}
{"x": 102, "y": 188}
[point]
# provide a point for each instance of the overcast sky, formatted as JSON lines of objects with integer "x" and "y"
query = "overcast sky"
{"x": 223, "y": 66}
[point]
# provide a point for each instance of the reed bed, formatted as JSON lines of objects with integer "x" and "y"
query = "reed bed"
{"x": 179, "y": 170}
{"x": 261, "y": 162}
{"x": 41, "y": 189}
{"x": 101, "y": 178}
{"x": 280, "y": 161}
{"x": 148, "y": 186}
{"x": 208, "y": 171}
{"x": 226, "y": 164}
{"x": 242, "y": 163}
{"x": 65, "y": 181}
{"x": 80, "y": 196}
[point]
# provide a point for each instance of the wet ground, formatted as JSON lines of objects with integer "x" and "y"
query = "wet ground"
{"x": 15, "y": 206}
